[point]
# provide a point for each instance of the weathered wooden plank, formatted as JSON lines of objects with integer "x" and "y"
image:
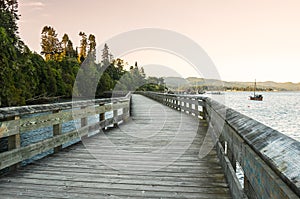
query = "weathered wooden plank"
{"x": 237, "y": 191}
{"x": 264, "y": 181}
{"x": 17, "y": 155}
{"x": 8, "y": 128}
{"x": 76, "y": 171}
{"x": 14, "y": 156}
{"x": 273, "y": 147}
{"x": 84, "y": 192}
{"x": 279, "y": 152}
{"x": 24, "y": 110}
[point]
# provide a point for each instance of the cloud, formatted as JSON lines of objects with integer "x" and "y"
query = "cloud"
{"x": 34, "y": 4}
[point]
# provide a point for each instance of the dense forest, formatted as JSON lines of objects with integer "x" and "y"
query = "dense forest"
{"x": 27, "y": 76}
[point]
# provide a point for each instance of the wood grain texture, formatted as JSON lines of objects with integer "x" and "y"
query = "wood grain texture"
{"x": 154, "y": 155}
{"x": 260, "y": 148}
{"x": 269, "y": 159}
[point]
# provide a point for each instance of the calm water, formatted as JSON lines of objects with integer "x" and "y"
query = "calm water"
{"x": 278, "y": 110}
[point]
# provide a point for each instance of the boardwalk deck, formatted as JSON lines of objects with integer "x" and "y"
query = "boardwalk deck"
{"x": 154, "y": 155}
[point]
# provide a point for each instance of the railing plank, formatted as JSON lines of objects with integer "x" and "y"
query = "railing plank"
{"x": 55, "y": 118}
{"x": 26, "y": 124}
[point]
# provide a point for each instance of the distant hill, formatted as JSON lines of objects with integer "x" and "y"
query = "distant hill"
{"x": 212, "y": 84}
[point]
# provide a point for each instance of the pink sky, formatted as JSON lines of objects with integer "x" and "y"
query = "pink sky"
{"x": 246, "y": 39}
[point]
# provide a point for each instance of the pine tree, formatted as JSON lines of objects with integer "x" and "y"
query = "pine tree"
{"x": 92, "y": 47}
{"x": 65, "y": 40}
{"x": 51, "y": 47}
{"x": 83, "y": 46}
{"x": 70, "y": 52}
{"x": 105, "y": 55}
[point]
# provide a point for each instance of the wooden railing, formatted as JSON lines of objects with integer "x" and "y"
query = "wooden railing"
{"x": 270, "y": 161}
{"x": 16, "y": 121}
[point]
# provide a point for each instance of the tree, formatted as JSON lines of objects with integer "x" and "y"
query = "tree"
{"x": 92, "y": 43}
{"x": 92, "y": 46}
{"x": 105, "y": 55}
{"x": 51, "y": 47}
{"x": 8, "y": 19}
{"x": 65, "y": 40}
{"x": 70, "y": 52}
{"x": 142, "y": 72}
{"x": 106, "y": 83}
{"x": 7, "y": 56}
{"x": 83, "y": 46}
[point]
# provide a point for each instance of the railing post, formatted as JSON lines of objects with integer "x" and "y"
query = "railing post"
{"x": 183, "y": 104}
{"x": 230, "y": 154}
{"x": 57, "y": 130}
{"x": 126, "y": 113}
{"x": 178, "y": 104}
{"x": 173, "y": 102}
{"x": 115, "y": 116}
{"x": 195, "y": 104}
{"x": 84, "y": 121}
{"x": 204, "y": 111}
{"x": 101, "y": 116}
{"x": 14, "y": 142}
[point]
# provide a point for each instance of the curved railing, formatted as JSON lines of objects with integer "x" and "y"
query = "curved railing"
{"x": 17, "y": 121}
{"x": 269, "y": 159}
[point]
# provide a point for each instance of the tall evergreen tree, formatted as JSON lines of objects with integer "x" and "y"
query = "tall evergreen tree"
{"x": 105, "y": 54}
{"x": 83, "y": 47}
{"x": 70, "y": 52}
{"x": 92, "y": 46}
{"x": 65, "y": 40}
{"x": 51, "y": 46}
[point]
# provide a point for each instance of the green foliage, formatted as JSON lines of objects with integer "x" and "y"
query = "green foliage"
{"x": 26, "y": 77}
{"x": 51, "y": 47}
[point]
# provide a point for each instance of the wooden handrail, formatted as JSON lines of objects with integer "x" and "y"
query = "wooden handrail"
{"x": 269, "y": 159}
{"x": 13, "y": 124}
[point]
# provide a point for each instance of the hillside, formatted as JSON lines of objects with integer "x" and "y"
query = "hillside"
{"x": 212, "y": 84}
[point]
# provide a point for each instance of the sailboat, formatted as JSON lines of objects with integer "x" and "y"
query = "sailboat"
{"x": 255, "y": 96}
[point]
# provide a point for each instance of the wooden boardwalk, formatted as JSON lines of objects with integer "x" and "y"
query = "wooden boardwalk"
{"x": 154, "y": 155}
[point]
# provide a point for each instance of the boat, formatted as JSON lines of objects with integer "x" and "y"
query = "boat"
{"x": 255, "y": 96}
{"x": 201, "y": 92}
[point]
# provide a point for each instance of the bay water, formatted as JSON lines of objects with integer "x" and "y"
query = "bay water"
{"x": 278, "y": 110}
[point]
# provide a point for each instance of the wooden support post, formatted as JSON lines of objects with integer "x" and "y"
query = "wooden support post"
{"x": 57, "y": 130}
{"x": 231, "y": 157}
{"x": 190, "y": 107}
{"x": 204, "y": 113}
{"x": 14, "y": 142}
{"x": 115, "y": 117}
{"x": 84, "y": 121}
{"x": 196, "y": 109}
{"x": 101, "y": 116}
{"x": 173, "y": 103}
{"x": 125, "y": 114}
